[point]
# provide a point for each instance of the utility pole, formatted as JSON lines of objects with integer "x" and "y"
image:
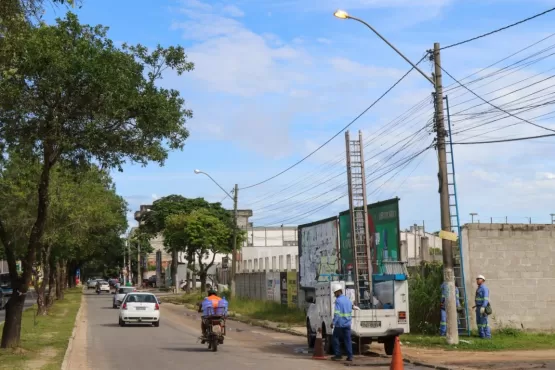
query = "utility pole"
{"x": 234, "y": 241}
{"x": 139, "y": 276}
{"x": 448, "y": 271}
{"x": 129, "y": 260}
{"x": 552, "y": 218}
{"x": 124, "y": 265}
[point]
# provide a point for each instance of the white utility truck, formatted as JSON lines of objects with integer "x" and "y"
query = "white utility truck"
{"x": 379, "y": 319}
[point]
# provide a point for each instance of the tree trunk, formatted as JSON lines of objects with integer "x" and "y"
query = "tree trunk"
{"x": 174, "y": 271}
{"x": 51, "y": 282}
{"x": 40, "y": 288}
{"x": 11, "y": 333}
{"x": 59, "y": 281}
{"x": 71, "y": 274}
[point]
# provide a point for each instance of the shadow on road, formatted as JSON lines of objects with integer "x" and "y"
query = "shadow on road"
{"x": 110, "y": 325}
{"x": 187, "y": 349}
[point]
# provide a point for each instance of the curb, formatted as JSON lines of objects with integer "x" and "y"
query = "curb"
{"x": 72, "y": 337}
{"x": 423, "y": 364}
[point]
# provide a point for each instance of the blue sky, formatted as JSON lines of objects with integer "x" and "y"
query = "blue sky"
{"x": 275, "y": 79}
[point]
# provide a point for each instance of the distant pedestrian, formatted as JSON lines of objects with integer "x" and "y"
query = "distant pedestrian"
{"x": 482, "y": 308}
{"x": 342, "y": 323}
{"x": 443, "y": 306}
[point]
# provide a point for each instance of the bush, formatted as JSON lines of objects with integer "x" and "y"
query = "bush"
{"x": 424, "y": 297}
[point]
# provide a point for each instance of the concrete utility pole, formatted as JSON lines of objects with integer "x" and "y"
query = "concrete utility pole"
{"x": 234, "y": 241}
{"x": 124, "y": 265}
{"x": 447, "y": 247}
{"x": 139, "y": 276}
{"x": 129, "y": 259}
{"x": 448, "y": 271}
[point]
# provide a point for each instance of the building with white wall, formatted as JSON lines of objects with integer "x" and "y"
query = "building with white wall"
{"x": 411, "y": 243}
{"x": 269, "y": 249}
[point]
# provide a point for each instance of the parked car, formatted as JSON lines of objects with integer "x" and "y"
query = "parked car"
{"x": 140, "y": 307}
{"x": 91, "y": 284}
{"x": 120, "y": 295}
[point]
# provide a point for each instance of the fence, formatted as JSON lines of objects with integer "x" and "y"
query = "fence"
{"x": 269, "y": 286}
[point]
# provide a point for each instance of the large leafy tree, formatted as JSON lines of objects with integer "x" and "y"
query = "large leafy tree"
{"x": 72, "y": 96}
{"x": 203, "y": 234}
{"x": 156, "y": 221}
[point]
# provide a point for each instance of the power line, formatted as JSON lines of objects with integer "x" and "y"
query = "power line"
{"x": 504, "y": 140}
{"x": 496, "y": 107}
{"x": 499, "y": 29}
{"x": 339, "y": 132}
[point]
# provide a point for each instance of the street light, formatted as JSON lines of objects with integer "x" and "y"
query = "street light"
{"x": 234, "y": 241}
{"x": 341, "y": 14}
{"x": 452, "y": 334}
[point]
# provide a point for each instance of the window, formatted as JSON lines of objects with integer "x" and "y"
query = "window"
{"x": 142, "y": 298}
{"x": 256, "y": 264}
{"x": 274, "y": 266}
{"x": 267, "y": 263}
{"x": 288, "y": 262}
{"x": 250, "y": 265}
{"x": 280, "y": 263}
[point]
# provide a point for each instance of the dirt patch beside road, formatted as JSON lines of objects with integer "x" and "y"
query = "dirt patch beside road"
{"x": 500, "y": 360}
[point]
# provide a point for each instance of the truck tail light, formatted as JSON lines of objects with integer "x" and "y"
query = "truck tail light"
{"x": 402, "y": 315}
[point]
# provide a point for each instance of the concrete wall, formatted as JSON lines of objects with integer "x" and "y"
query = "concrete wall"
{"x": 518, "y": 261}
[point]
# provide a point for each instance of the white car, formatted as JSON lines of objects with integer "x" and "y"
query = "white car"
{"x": 91, "y": 284}
{"x": 140, "y": 307}
{"x": 120, "y": 295}
{"x": 104, "y": 286}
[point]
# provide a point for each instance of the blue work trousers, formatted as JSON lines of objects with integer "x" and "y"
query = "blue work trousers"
{"x": 443, "y": 323}
{"x": 484, "y": 329}
{"x": 343, "y": 334}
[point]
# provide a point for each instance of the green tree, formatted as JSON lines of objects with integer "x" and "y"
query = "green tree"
{"x": 71, "y": 95}
{"x": 204, "y": 234}
{"x": 154, "y": 223}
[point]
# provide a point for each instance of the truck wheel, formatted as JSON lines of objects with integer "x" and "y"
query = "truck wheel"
{"x": 310, "y": 335}
{"x": 388, "y": 345}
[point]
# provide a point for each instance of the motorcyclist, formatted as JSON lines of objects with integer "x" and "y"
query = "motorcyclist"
{"x": 213, "y": 297}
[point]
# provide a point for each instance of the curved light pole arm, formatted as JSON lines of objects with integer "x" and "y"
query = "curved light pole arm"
{"x": 215, "y": 182}
{"x": 393, "y": 47}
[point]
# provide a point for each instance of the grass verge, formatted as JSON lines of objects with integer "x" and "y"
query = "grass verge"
{"x": 250, "y": 308}
{"x": 43, "y": 345}
{"x": 502, "y": 340}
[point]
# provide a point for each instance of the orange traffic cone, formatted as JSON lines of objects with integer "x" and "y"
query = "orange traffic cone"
{"x": 397, "y": 358}
{"x": 319, "y": 347}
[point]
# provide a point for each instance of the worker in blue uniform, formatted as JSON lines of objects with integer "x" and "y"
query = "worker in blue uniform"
{"x": 481, "y": 305}
{"x": 341, "y": 324}
{"x": 443, "y": 307}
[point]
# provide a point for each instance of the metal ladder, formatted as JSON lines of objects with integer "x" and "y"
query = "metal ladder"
{"x": 458, "y": 261}
{"x": 359, "y": 220}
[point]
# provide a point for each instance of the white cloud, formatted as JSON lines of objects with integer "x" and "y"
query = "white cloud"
{"x": 323, "y": 40}
{"x": 233, "y": 11}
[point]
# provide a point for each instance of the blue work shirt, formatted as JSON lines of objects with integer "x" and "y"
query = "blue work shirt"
{"x": 343, "y": 312}
{"x": 482, "y": 296}
{"x": 445, "y": 294}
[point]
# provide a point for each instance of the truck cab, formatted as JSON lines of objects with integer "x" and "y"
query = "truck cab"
{"x": 381, "y": 318}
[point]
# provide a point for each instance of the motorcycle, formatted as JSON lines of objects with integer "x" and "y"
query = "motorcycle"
{"x": 214, "y": 331}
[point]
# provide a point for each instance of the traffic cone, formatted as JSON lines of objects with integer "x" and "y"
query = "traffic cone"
{"x": 397, "y": 358}
{"x": 319, "y": 347}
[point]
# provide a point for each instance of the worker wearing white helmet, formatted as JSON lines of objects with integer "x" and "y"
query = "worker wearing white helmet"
{"x": 482, "y": 307}
{"x": 341, "y": 324}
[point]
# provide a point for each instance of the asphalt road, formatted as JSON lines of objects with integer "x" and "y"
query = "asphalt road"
{"x": 29, "y": 302}
{"x": 101, "y": 344}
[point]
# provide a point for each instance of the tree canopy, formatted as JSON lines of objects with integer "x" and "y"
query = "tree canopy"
{"x": 68, "y": 95}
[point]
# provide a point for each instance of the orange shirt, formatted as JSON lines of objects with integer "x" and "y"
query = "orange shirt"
{"x": 215, "y": 300}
